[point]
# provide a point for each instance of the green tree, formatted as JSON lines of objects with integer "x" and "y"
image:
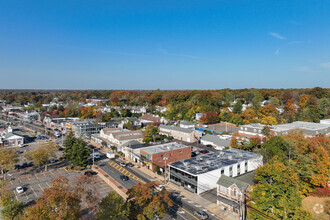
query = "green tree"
{"x": 277, "y": 193}
{"x": 8, "y": 158}
{"x": 76, "y": 150}
{"x": 277, "y": 146}
{"x": 146, "y": 202}
{"x": 237, "y": 108}
{"x": 113, "y": 207}
{"x": 151, "y": 134}
{"x": 11, "y": 208}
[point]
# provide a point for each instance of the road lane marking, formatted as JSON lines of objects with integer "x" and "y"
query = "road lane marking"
{"x": 34, "y": 192}
{"x": 41, "y": 188}
{"x": 125, "y": 172}
{"x": 51, "y": 172}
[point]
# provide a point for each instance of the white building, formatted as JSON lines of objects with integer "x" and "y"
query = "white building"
{"x": 117, "y": 136}
{"x": 201, "y": 173}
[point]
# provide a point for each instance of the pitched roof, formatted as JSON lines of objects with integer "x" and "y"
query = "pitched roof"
{"x": 150, "y": 117}
{"x": 242, "y": 181}
{"x": 128, "y": 135}
{"x": 228, "y": 181}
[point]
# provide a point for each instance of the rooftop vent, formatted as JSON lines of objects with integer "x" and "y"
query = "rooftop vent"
{"x": 186, "y": 164}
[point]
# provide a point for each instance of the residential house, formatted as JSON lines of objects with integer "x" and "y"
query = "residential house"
{"x": 186, "y": 124}
{"x": 231, "y": 192}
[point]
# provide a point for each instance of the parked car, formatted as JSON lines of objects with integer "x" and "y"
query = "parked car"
{"x": 201, "y": 214}
{"x": 193, "y": 154}
{"x": 124, "y": 178}
{"x": 130, "y": 165}
{"x": 97, "y": 156}
{"x": 21, "y": 145}
{"x": 60, "y": 149}
{"x": 52, "y": 160}
{"x": 160, "y": 187}
{"x": 122, "y": 164}
{"x": 209, "y": 145}
{"x": 19, "y": 189}
{"x": 17, "y": 166}
{"x": 203, "y": 151}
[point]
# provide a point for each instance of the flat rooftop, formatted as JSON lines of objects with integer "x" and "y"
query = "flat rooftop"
{"x": 301, "y": 125}
{"x": 213, "y": 161}
{"x": 164, "y": 148}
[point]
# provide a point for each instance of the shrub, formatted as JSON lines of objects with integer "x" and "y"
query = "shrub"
{"x": 321, "y": 192}
{"x": 78, "y": 168}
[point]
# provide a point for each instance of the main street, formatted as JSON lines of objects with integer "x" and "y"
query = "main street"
{"x": 183, "y": 208}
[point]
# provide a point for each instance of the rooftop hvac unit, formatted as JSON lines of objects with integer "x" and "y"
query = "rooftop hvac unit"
{"x": 186, "y": 164}
{"x": 230, "y": 157}
{"x": 198, "y": 168}
{"x": 200, "y": 159}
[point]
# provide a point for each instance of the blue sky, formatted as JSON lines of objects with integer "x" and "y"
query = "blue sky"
{"x": 164, "y": 44}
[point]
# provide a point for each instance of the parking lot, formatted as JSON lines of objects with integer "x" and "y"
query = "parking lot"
{"x": 35, "y": 183}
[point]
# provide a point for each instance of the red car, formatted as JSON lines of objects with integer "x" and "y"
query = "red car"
{"x": 203, "y": 151}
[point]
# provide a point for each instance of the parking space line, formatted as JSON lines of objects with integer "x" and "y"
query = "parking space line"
{"x": 26, "y": 195}
{"x": 51, "y": 172}
{"x": 34, "y": 192}
{"x": 19, "y": 179}
{"x": 48, "y": 185}
{"x": 44, "y": 174}
{"x": 15, "y": 195}
{"x": 36, "y": 176}
{"x": 28, "y": 178}
{"x": 41, "y": 188}
{"x": 11, "y": 182}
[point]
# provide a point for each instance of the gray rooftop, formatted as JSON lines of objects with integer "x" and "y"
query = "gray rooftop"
{"x": 301, "y": 125}
{"x": 186, "y": 123}
{"x": 164, "y": 148}
{"x": 213, "y": 161}
{"x": 254, "y": 125}
{"x": 227, "y": 181}
{"x": 169, "y": 127}
{"x": 216, "y": 140}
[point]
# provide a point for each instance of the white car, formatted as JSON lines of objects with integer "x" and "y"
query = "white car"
{"x": 19, "y": 189}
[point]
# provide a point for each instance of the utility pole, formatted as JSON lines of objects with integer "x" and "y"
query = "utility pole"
{"x": 165, "y": 158}
{"x": 93, "y": 156}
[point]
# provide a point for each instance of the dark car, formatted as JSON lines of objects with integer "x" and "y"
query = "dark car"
{"x": 193, "y": 154}
{"x": 209, "y": 145}
{"x": 203, "y": 151}
{"x": 201, "y": 214}
{"x": 130, "y": 165}
{"x": 60, "y": 149}
{"x": 25, "y": 164}
{"x": 90, "y": 173}
{"x": 17, "y": 167}
{"x": 124, "y": 178}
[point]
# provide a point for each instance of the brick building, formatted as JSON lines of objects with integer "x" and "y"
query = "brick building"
{"x": 171, "y": 152}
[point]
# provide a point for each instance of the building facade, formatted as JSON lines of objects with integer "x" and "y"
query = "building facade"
{"x": 182, "y": 134}
{"x": 201, "y": 173}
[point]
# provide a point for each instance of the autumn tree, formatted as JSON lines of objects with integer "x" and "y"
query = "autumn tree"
{"x": 42, "y": 154}
{"x": 146, "y": 202}
{"x": 209, "y": 117}
{"x": 113, "y": 207}
{"x": 151, "y": 134}
{"x": 60, "y": 201}
{"x": 8, "y": 158}
{"x": 277, "y": 193}
{"x": 237, "y": 108}
{"x": 11, "y": 207}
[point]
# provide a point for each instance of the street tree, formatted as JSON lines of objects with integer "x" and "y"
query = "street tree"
{"x": 42, "y": 154}
{"x": 11, "y": 207}
{"x": 8, "y": 158}
{"x": 146, "y": 202}
{"x": 113, "y": 207}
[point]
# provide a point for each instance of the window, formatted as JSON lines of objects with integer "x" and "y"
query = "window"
{"x": 222, "y": 171}
{"x": 235, "y": 192}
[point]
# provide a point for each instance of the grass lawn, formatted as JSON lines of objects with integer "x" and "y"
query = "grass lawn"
{"x": 310, "y": 202}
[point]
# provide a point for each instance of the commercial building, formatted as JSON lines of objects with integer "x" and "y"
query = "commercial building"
{"x": 215, "y": 141}
{"x": 166, "y": 153}
{"x": 85, "y": 129}
{"x": 8, "y": 138}
{"x": 182, "y": 134}
{"x": 201, "y": 173}
{"x": 309, "y": 129}
{"x": 118, "y": 136}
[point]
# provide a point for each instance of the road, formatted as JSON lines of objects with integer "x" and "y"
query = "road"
{"x": 183, "y": 208}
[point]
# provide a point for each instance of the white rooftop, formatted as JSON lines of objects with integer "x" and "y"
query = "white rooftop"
{"x": 164, "y": 148}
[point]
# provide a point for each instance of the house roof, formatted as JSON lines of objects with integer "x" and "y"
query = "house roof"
{"x": 107, "y": 131}
{"x": 186, "y": 123}
{"x": 150, "y": 117}
{"x": 216, "y": 140}
{"x": 247, "y": 178}
{"x": 184, "y": 130}
{"x": 133, "y": 144}
{"x": 228, "y": 181}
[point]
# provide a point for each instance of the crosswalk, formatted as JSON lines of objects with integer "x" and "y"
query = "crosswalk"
{"x": 125, "y": 172}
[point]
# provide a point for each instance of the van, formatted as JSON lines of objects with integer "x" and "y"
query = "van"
{"x": 111, "y": 155}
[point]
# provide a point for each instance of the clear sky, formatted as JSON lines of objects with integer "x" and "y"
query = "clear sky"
{"x": 94, "y": 44}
